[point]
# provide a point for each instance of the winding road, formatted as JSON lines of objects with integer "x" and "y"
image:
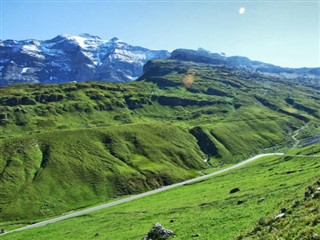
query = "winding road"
{"x": 106, "y": 205}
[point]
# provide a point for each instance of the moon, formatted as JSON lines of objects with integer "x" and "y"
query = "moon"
{"x": 242, "y": 10}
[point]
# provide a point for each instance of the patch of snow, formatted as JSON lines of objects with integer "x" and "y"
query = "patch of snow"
{"x": 92, "y": 47}
{"x": 128, "y": 56}
{"x": 32, "y": 48}
{"x": 103, "y": 50}
{"x": 51, "y": 51}
{"x": 24, "y": 70}
{"x": 86, "y": 41}
{"x": 79, "y": 40}
{"x": 90, "y": 55}
{"x": 9, "y": 43}
{"x": 131, "y": 77}
{"x": 90, "y": 66}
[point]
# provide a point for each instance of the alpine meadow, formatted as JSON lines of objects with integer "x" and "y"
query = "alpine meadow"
{"x": 159, "y": 120}
{"x": 70, "y": 146}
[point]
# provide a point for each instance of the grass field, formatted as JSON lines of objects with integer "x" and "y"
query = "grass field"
{"x": 206, "y": 208}
{"x": 57, "y": 172}
{"x": 75, "y": 145}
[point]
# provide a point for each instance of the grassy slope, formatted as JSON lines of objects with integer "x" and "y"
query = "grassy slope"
{"x": 302, "y": 220}
{"x": 209, "y": 209}
{"x": 95, "y": 141}
{"x": 75, "y": 168}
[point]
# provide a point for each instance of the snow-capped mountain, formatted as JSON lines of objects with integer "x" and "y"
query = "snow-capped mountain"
{"x": 67, "y": 58}
{"x": 84, "y": 57}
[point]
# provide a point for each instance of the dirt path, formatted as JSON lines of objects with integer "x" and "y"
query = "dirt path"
{"x": 296, "y": 133}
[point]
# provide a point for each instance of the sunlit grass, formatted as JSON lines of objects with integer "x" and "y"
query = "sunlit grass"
{"x": 206, "y": 208}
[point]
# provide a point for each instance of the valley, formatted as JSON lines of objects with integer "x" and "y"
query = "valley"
{"x": 128, "y": 199}
{"x": 159, "y": 120}
{"x": 71, "y": 146}
{"x": 210, "y": 210}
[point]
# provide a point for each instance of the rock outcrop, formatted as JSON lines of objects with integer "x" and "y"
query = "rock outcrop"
{"x": 234, "y": 190}
{"x": 157, "y": 232}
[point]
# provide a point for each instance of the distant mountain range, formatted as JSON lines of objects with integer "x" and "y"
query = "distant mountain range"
{"x": 84, "y": 57}
{"x": 244, "y": 63}
{"x": 72, "y": 58}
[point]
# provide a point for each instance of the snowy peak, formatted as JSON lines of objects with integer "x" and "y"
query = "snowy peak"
{"x": 86, "y": 41}
{"x": 85, "y": 57}
{"x": 68, "y": 58}
{"x": 83, "y": 42}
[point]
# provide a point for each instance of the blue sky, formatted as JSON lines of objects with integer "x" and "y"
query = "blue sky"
{"x": 284, "y": 33}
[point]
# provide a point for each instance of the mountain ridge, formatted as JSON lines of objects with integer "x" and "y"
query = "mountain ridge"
{"x": 244, "y": 63}
{"x": 67, "y": 58}
{"x": 84, "y": 57}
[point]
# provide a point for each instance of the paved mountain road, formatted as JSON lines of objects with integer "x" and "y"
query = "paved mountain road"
{"x": 89, "y": 210}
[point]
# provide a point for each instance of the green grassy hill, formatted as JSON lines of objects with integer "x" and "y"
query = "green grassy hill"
{"x": 74, "y": 145}
{"x": 46, "y": 173}
{"x": 209, "y": 209}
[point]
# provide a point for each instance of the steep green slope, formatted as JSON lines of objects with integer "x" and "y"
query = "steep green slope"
{"x": 206, "y": 208}
{"x": 52, "y": 172}
{"x": 251, "y": 111}
{"x": 74, "y": 145}
{"x": 302, "y": 217}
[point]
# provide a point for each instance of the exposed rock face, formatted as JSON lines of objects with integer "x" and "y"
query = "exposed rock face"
{"x": 203, "y": 56}
{"x": 195, "y": 235}
{"x": 317, "y": 194}
{"x": 200, "y": 56}
{"x": 157, "y": 232}
{"x": 72, "y": 58}
{"x": 311, "y": 189}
